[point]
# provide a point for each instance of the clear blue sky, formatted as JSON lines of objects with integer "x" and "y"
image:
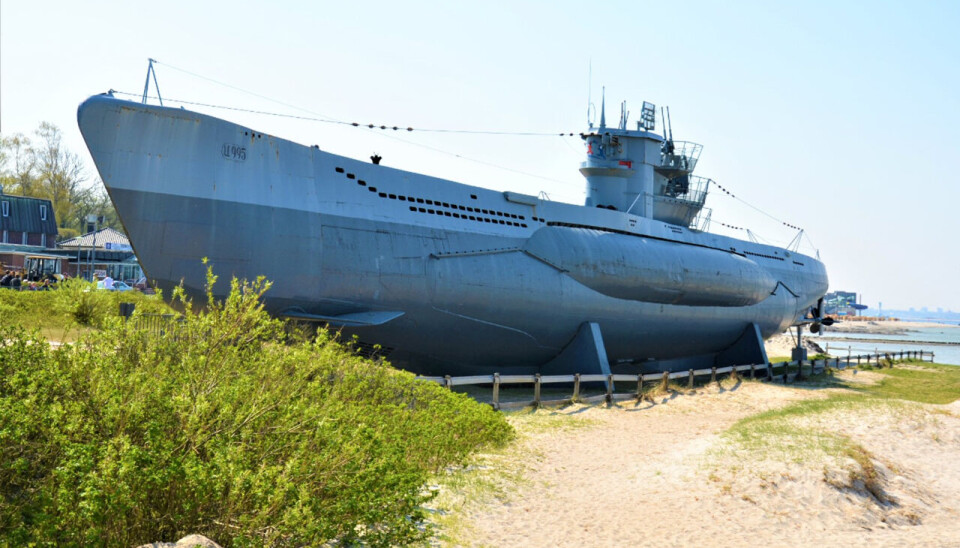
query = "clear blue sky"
{"x": 839, "y": 117}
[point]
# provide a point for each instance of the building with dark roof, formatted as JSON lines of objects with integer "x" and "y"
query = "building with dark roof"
{"x": 102, "y": 252}
{"x": 29, "y": 227}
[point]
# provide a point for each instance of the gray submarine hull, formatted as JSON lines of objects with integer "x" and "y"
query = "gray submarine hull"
{"x": 440, "y": 277}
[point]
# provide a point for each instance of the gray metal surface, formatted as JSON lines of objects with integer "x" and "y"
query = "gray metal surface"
{"x": 447, "y": 278}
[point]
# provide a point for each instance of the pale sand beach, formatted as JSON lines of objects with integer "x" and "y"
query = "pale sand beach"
{"x": 779, "y": 346}
{"x": 892, "y": 327}
{"x": 661, "y": 473}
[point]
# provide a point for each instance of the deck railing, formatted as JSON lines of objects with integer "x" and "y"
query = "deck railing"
{"x": 774, "y": 372}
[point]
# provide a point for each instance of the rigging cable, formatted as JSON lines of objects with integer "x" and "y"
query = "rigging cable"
{"x": 374, "y": 127}
{"x": 755, "y": 208}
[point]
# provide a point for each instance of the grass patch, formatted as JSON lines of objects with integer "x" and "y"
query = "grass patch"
{"x": 74, "y": 308}
{"x": 921, "y": 382}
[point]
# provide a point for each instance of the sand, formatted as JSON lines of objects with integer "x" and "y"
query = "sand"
{"x": 897, "y": 327}
{"x": 780, "y": 346}
{"x": 651, "y": 474}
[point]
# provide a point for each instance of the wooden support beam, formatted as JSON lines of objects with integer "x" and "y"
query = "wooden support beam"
{"x": 536, "y": 390}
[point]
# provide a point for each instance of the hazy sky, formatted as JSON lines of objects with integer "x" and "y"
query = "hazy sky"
{"x": 839, "y": 117}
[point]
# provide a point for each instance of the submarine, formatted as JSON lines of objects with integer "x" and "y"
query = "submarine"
{"x": 443, "y": 278}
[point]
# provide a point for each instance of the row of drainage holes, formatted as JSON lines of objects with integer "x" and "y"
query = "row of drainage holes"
{"x": 762, "y": 255}
{"x": 257, "y": 135}
{"x": 470, "y": 217}
{"x": 402, "y": 198}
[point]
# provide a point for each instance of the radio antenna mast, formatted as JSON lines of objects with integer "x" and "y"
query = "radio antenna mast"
{"x": 589, "y": 93}
{"x": 146, "y": 85}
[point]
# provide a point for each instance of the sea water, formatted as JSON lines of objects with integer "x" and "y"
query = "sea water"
{"x": 868, "y": 342}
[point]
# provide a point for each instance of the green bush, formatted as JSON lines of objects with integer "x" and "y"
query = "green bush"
{"x": 226, "y": 428}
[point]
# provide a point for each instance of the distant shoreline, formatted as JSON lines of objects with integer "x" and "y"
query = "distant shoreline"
{"x": 893, "y": 327}
{"x": 902, "y": 341}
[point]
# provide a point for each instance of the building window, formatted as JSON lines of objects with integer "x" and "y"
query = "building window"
{"x": 6, "y": 208}
{"x": 43, "y": 212}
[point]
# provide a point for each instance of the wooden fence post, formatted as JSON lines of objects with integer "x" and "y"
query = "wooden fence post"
{"x": 536, "y": 390}
{"x": 753, "y": 371}
{"x": 713, "y": 374}
{"x": 496, "y": 390}
{"x": 665, "y": 380}
{"x": 610, "y": 388}
{"x": 690, "y": 381}
{"x": 448, "y": 382}
{"x": 576, "y": 388}
{"x": 639, "y": 386}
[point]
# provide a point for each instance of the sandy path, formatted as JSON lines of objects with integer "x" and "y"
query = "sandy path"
{"x": 638, "y": 474}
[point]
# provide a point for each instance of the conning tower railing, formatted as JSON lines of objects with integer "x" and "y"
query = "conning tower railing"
{"x": 678, "y": 157}
{"x": 680, "y": 199}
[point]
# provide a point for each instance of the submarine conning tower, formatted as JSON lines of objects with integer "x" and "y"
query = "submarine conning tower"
{"x": 642, "y": 173}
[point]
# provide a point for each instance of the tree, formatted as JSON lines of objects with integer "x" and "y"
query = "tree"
{"x": 45, "y": 169}
{"x": 93, "y": 202}
{"x": 20, "y": 176}
{"x": 60, "y": 173}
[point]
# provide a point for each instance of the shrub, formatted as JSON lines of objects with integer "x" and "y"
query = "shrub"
{"x": 229, "y": 429}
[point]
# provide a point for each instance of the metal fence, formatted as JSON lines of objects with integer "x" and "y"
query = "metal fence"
{"x": 774, "y": 372}
{"x": 158, "y": 325}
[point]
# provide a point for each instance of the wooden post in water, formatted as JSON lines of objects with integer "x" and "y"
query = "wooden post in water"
{"x": 536, "y": 390}
{"x": 496, "y": 390}
{"x": 576, "y": 388}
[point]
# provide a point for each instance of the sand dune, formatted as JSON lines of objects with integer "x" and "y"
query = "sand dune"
{"x": 658, "y": 473}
